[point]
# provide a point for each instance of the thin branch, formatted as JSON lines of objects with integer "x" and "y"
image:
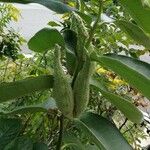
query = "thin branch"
{"x": 124, "y": 123}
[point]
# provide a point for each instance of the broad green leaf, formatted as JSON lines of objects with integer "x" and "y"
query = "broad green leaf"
{"x": 44, "y": 107}
{"x": 134, "y": 32}
{"x": 138, "y": 13}
{"x": 9, "y": 129}
{"x": 40, "y": 146}
{"x": 20, "y": 143}
{"x": 135, "y": 72}
{"x": 124, "y": 105}
{"x": 54, "y": 5}
{"x": 102, "y": 132}
{"x": 45, "y": 39}
{"x": 12, "y": 90}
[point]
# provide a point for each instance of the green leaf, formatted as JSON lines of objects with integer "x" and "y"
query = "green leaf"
{"x": 138, "y": 13}
{"x": 12, "y": 90}
{"x": 135, "y": 72}
{"x": 44, "y": 107}
{"x": 102, "y": 132}
{"x": 45, "y": 39}
{"x": 70, "y": 140}
{"x": 40, "y": 146}
{"x": 9, "y": 129}
{"x": 134, "y": 32}
{"x": 20, "y": 143}
{"x": 54, "y": 5}
{"x": 70, "y": 38}
{"x": 124, "y": 105}
{"x": 53, "y": 24}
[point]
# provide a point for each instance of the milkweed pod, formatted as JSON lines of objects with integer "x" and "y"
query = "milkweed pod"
{"x": 79, "y": 27}
{"x": 62, "y": 88}
{"x": 81, "y": 88}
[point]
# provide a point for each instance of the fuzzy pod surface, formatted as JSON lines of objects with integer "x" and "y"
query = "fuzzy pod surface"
{"x": 81, "y": 88}
{"x": 62, "y": 88}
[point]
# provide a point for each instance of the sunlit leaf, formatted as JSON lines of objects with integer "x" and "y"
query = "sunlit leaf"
{"x": 138, "y": 13}
{"x": 135, "y": 72}
{"x": 45, "y": 39}
{"x": 134, "y": 32}
{"x": 124, "y": 105}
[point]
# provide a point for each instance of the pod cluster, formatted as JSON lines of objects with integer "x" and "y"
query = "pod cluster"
{"x": 72, "y": 98}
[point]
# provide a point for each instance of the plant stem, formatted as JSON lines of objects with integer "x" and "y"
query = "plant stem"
{"x": 95, "y": 25}
{"x": 61, "y": 129}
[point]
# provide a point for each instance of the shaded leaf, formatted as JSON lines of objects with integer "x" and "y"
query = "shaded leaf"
{"x": 40, "y": 146}
{"x": 70, "y": 38}
{"x": 70, "y": 140}
{"x": 9, "y": 129}
{"x": 12, "y": 90}
{"x": 102, "y": 132}
{"x": 20, "y": 143}
{"x": 44, "y": 107}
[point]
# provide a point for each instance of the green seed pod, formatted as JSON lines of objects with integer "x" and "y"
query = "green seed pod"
{"x": 81, "y": 88}
{"x": 62, "y": 89}
{"x": 79, "y": 27}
